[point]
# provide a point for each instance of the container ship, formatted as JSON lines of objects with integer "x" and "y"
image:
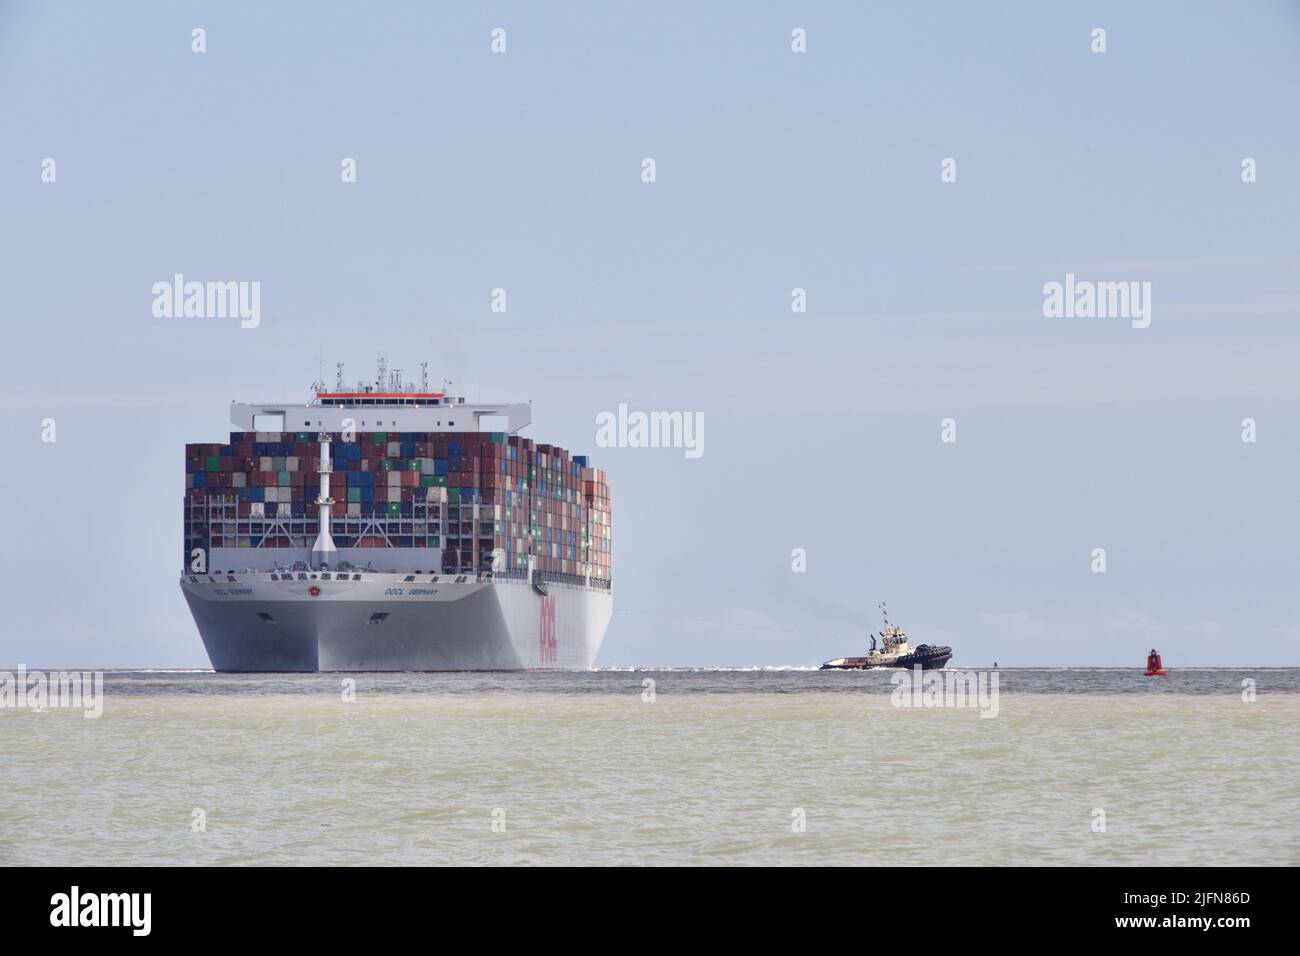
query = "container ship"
{"x": 380, "y": 527}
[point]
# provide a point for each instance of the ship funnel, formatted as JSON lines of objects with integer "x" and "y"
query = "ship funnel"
{"x": 323, "y": 552}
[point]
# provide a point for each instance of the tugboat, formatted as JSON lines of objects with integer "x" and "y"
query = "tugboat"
{"x": 893, "y": 652}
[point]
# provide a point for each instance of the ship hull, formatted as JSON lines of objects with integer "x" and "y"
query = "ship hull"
{"x": 932, "y": 658}
{"x": 386, "y": 623}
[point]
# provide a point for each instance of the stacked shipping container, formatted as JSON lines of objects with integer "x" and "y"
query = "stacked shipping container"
{"x": 468, "y": 493}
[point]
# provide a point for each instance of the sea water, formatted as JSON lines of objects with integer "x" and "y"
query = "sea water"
{"x": 766, "y": 766}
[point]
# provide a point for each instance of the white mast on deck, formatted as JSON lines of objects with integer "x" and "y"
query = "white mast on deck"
{"x": 323, "y": 551}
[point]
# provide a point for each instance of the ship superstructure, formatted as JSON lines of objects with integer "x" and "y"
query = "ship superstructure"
{"x": 380, "y": 527}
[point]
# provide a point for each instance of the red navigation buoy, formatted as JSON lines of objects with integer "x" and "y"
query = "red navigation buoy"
{"x": 1155, "y": 667}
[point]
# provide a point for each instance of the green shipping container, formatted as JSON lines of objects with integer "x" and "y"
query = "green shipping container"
{"x": 354, "y": 494}
{"x": 302, "y": 436}
{"x": 283, "y": 479}
{"x": 213, "y": 463}
{"x": 413, "y": 464}
{"x": 386, "y": 464}
{"x": 453, "y": 494}
{"x": 394, "y": 509}
{"x": 381, "y": 437}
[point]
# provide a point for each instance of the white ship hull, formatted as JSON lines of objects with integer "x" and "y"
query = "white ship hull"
{"x": 249, "y": 622}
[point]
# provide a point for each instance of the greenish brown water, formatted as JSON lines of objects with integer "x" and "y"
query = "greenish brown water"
{"x": 709, "y": 776}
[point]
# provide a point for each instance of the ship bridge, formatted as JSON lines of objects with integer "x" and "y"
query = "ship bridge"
{"x": 387, "y": 404}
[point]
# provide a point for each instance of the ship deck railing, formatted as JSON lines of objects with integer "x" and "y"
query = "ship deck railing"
{"x": 458, "y": 575}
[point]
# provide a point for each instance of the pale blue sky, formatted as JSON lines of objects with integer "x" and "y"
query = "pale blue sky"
{"x": 775, "y": 170}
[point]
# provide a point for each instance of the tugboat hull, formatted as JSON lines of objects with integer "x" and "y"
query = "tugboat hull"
{"x": 925, "y": 656}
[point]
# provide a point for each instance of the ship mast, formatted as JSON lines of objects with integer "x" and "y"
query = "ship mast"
{"x": 323, "y": 552}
